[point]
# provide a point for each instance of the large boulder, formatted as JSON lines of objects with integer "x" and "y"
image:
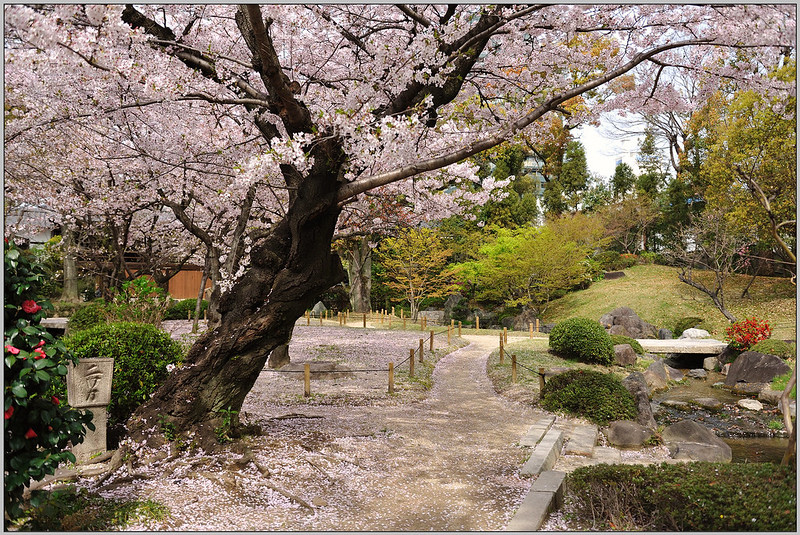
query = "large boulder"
{"x": 656, "y": 375}
{"x": 689, "y": 441}
{"x": 624, "y": 355}
{"x": 626, "y": 322}
{"x": 279, "y": 357}
{"x": 450, "y": 303}
{"x": 694, "y": 334}
{"x": 636, "y": 384}
{"x": 318, "y": 310}
{"x": 628, "y": 434}
{"x": 753, "y": 367}
{"x": 524, "y": 319}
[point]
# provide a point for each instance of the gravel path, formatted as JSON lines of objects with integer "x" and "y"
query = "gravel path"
{"x": 447, "y": 463}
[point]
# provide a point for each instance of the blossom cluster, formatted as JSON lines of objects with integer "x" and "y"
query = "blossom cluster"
{"x": 746, "y": 333}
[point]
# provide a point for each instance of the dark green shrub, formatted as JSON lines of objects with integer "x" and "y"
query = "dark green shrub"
{"x": 685, "y": 323}
{"x": 86, "y": 317}
{"x": 141, "y": 355}
{"x": 181, "y": 309}
{"x": 779, "y": 348}
{"x": 696, "y": 496}
{"x": 617, "y": 339}
{"x": 460, "y": 310}
{"x": 583, "y": 339}
{"x": 598, "y": 397}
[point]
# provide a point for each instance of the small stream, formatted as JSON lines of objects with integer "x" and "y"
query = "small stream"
{"x": 750, "y": 434}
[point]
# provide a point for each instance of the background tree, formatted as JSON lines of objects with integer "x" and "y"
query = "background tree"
{"x": 415, "y": 262}
{"x": 623, "y": 181}
{"x": 712, "y": 245}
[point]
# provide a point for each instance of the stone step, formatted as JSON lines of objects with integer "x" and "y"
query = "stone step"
{"x": 581, "y": 440}
{"x": 546, "y": 495}
{"x": 537, "y": 431}
{"x": 544, "y": 454}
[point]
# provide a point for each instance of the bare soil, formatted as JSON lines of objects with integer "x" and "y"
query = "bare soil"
{"x": 351, "y": 457}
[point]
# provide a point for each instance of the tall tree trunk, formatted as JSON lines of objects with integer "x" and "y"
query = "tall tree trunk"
{"x": 199, "y": 304}
{"x": 288, "y": 271}
{"x": 359, "y": 274}
{"x": 70, "y": 290}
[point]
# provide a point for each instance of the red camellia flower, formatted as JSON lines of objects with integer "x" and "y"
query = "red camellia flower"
{"x": 9, "y": 412}
{"x": 40, "y": 344}
{"x": 55, "y": 400}
{"x": 13, "y": 350}
{"x": 30, "y": 307}
{"x": 30, "y": 433}
{"x": 39, "y": 353}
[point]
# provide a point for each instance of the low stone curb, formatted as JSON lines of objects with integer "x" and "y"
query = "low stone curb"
{"x": 546, "y": 495}
{"x": 544, "y": 454}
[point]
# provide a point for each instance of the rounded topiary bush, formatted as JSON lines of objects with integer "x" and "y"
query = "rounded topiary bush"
{"x": 141, "y": 355}
{"x": 617, "y": 339}
{"x": 181, "y": 309}
{"x": 87, "y": 317}
{"x": 598, "y": 397}
{"x": 779, "y": 348}
{"x": 583, "y": 339}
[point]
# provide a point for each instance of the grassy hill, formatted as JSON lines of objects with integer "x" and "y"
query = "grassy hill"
{"x": 658, "y": 297}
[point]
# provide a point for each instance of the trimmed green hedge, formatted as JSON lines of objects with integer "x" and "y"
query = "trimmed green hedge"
{"x": 698, "y": 496}
{"x": 598, "y": 397}
{"x": 141, "y": 354}
{"x": 582, "y": 339}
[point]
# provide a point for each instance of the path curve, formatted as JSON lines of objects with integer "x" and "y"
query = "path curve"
{"x": 455, "y": 455}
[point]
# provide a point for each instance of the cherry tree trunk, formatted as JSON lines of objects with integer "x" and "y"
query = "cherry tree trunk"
{"x": 288, "y": 270}
{"x": 359, "y": 274}
{"x": 70, "y": 291}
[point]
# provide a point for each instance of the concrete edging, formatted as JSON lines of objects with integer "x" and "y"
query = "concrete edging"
{"x": 546, "y": 495}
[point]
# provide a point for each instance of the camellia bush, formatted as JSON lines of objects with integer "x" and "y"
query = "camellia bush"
{"x": 38, "y": 426}
{"x": 743, "y": 334}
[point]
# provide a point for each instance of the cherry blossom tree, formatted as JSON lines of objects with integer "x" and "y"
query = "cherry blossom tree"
{"x": 258, "y": 125}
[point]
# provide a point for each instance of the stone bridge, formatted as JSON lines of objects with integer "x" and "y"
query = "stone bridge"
{"x": 707, "y": 346}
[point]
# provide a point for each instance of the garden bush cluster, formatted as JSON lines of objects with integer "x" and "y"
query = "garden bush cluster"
{"x": 582, "y": 339}
{"x": 140, "y": 300}
{"x": 695, "y": 496}
{"x": 143, "y": 356}
{"x": 598, "y": 397}
{"x": 745, "y": 333}
{"x": 37, "y": 425}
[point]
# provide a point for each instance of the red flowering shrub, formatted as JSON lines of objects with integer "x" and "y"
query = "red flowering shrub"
{"x": 743, "y": 334}
{"x": 37, "y": 426}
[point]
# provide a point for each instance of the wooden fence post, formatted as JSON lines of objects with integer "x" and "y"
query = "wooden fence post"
{"x": 308, "y": 318}
{"x": 505, "y": 334}
{"x": 391, "y": 377}
{"x": 449, "y": 333}
{"x": 205, "y": 314}
{"x": 501, "y": 350}
{"x": 530, "y": 330}
{"x": 411, "y": 365}
{"x": 431, "y": 340}
{"x": 537, "y": 325}
{"x": 404, "y": 324}
{"x": 320, "y": 320}
{"x": 477, "y": 323}
{"x": 390, "y": 321}
{"x": 365, "y": 320}
{"x": 307, "y": 380}
{"x": 459, "y": 328}
{"x": 421, "y": 348}
{"x": 513, "y": 368}
{"x": 541, "y": 379}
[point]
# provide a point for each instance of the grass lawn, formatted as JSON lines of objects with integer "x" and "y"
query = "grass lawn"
{"x": 658, "y": 297}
